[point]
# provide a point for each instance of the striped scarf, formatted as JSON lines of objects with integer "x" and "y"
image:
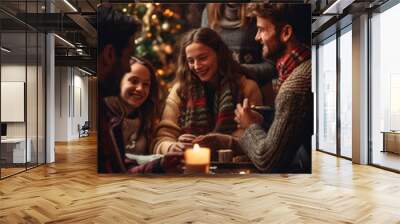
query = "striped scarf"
{"x": 286, "y": 64}
{"x": 196, "y": 116}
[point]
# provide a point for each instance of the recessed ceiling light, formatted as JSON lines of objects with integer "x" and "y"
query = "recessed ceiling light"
{"x": 84, "y": 71}
{"x": 338, "y": 6}
{"x": 65, "y": 41}
{"x": 70, "y": 5}
{"x": 5, "y": 50}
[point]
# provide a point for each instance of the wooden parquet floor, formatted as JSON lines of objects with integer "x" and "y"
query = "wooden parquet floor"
{"x": 70, "y": 191}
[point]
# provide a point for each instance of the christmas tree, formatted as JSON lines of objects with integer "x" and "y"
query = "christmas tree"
{"x": 162, "y": 24}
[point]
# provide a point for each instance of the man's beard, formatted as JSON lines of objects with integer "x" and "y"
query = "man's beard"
{"x": 111, "y": 85}
{"x": 277, "y": 53}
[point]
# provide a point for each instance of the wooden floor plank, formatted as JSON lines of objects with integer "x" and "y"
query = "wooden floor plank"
{"x": 70, "y": 191}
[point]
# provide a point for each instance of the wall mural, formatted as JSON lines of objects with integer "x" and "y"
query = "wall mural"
{"x": 204, "y": 88}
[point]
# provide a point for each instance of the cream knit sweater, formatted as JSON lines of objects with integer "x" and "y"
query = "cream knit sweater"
{"x": 168, "y": 129}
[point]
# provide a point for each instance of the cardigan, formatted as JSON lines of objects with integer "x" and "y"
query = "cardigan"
{"x": 168, "y": 130}
{"x": 289, "y": 136}
{"x": 111, "y": 146}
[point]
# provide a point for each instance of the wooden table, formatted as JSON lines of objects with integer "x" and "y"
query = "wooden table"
{"x": 233, "y": 168}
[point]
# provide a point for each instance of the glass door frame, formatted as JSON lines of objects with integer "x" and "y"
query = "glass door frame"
{"x": 30, "y": 29}
{"x": 338, "y": 33}
{"x": 387, "y": 5}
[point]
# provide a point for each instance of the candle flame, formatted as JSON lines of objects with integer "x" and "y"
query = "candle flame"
{"x": 196, "y": 147}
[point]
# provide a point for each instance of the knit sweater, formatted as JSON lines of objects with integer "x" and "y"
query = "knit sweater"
{"x": 276, "y": 149}
{"x": 134, "y": 138}
{"x": 168, "y": 130}
{"x": 245, "y": 48}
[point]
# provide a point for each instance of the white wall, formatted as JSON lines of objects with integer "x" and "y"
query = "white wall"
{"x": 80, "y": 110}
{"x": 61, "y": 103}
{"x": 71, "y": 102}
{"x": 13, "y": 73}
{"x": 33, "y": 126}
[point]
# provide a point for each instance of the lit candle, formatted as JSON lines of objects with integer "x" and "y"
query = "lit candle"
{"x": 197, "y": 160}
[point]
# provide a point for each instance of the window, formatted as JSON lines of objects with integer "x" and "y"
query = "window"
{"x": 327, "y": 95}
{"x": 346, "y": 92}
{"x": 385, "y": 85}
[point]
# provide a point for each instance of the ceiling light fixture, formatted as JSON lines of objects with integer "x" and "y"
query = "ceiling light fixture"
{"x": 70, "y": 5}
{"x": 337, "y": 7}
{"x": 84, "y": 71}
{"x": 5, "y": 50}
{"x": 65, "y": 41}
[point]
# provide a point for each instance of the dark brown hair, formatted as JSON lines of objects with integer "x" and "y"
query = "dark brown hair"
{"x": 227, "y": 66}
{"x": 296, "y": 15}
{"x": 215, "y": 13}
{"x": 150, "y": 109}
{"x": 114, "y": 28}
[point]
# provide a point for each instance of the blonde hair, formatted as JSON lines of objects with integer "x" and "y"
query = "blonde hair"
{"x": 215, "y": 12}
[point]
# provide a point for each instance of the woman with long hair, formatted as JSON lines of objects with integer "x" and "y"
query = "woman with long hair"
{"x": 133, "y": 117}
{"x": 237, "y": 29}
{"x": 209, "y": 84}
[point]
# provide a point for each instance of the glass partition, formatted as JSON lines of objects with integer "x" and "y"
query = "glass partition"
{"x": 385, "y": 89}
{"x": 41, "y": 91}
{"x": 32, "y": 96}
{"x": 22, "y": 88}
{"x": 14, "y": 70}
{"x": 346, "y": 92}
{"x": 327, "y": 95}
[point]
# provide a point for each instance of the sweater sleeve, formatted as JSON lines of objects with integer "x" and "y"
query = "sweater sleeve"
{"x": 265, "y": 148}
{"x": 168, "y": 130}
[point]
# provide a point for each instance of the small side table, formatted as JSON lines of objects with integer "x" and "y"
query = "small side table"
{"x": 391, "y": 141}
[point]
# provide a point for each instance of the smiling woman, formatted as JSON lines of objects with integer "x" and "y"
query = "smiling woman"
{"x": 136, "y": 108}
{"x": 202, "y": 60}
{"x": 208, "y": 86}
{"x": 135, "y": 86}
{"x": 132, "y": 118}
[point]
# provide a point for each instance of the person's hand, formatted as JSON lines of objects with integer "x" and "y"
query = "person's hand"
{"x": 214, "y": 140}
{"x": 178, "y": 147}
{"x": 172, "y": 162}
{"x": 184, "y": 142}
{"x": 186, "y": 138}
{"x": 235, "y": 57}
{"x": 245, "y": 117}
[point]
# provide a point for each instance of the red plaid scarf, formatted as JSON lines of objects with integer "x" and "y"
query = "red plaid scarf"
{"x": 287, "y": 63}
{"x": 195, "y": 115}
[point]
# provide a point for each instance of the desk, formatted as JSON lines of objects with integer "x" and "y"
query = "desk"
{"x": 391, "y": 141}
{"x": 13, "y": 150}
